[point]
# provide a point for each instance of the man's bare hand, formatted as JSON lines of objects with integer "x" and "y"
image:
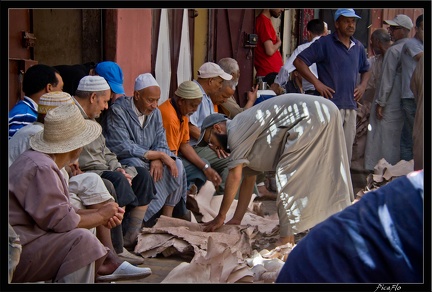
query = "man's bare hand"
{"x": 219, "y": 151}
{"x": 172, "y": 166}
{"x": 156, "y": 169}
{"x": 74, "y": 168}
{"x": 253, "y": 94}
{"x": 216, "y": 223}
{"x": 324, "y": 90}
{"x": 112, "y": 214}
{"x": 127, "y": 175}
{"x": 213, "y": 176}
{"x": 379, "y": 112}
{"x": 358, "y": 92}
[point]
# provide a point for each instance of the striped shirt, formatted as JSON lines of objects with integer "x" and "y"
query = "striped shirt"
{"x": 129, "y": 140}
{"x": 22, "y": 114}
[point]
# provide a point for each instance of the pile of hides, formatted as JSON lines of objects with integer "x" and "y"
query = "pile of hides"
{"x": 384, "y": 173}
{"x": 224, "y": 256}
{"x": 359, "y": 145}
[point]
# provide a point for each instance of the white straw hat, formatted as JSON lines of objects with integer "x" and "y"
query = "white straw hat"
{"x": 65, "y": 129}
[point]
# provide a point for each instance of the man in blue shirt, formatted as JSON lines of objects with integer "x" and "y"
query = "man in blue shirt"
{"x": 339, "y": 58}
{"x": 38, "y": 80}
{"x": 379, "y": 240}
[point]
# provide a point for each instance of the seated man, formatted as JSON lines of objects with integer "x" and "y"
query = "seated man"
{"x": 175, "y": 116}
{"x": 86, "y": 190}
{"x": 133, "y": 185}
{"x": 134, "y": 132}
{"x": 216, "y": 87}
{"x": 38, "y": 80}
{"x": 72, "y": 75}
{"x": 231, "y": 108}
{"x": 41, "y": 214}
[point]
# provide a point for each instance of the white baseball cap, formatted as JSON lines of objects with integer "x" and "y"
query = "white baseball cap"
{"x": 210, "y": 70}
{"x": 400, "y": 20}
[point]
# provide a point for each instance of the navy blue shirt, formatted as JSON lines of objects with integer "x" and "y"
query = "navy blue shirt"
{"x": 338, "y": 67}
{"x": 379, "y": 239}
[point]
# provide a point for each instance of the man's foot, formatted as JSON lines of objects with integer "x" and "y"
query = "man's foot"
{"x": 125, "y": 255}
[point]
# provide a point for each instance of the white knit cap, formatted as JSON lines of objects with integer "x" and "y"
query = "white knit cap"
{"x": 189, "y": 90}
{"x": 93, "y": 83}
{"x": 145, "y": 80}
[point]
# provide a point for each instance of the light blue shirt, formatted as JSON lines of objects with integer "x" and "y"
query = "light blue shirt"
{"x": 205, "y": 108}
{"x": 283, "y": 75}
{"x": 411, "y": 48}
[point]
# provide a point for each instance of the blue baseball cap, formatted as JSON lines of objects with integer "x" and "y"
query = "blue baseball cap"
{"x": 113, "y": 74}
{"x": 347, "y": 12}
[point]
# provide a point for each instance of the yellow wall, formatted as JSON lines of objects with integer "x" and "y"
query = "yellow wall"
{"x": 200, "y": 42}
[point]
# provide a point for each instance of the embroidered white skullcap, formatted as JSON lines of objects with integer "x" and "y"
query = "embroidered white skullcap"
{"x": 93, "y": 83}
{"x": 52, "y": 100}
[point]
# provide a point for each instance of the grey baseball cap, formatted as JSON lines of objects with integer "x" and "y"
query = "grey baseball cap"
{"x": 208, "y": 122}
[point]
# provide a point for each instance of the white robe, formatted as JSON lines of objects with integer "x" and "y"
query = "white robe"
{"x": 301, "y": 138}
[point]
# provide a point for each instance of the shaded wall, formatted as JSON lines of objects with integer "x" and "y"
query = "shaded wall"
{"x": 200, "y": 43}
{"x": 127, "y": 41}
{"x": 20, "y": 56}
{"x": 58, "y": 35}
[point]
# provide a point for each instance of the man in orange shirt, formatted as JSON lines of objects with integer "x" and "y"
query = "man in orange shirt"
{"x": 175, "y": 116}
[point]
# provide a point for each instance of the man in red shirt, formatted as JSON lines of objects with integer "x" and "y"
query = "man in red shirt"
{"x": 268, "y": 58}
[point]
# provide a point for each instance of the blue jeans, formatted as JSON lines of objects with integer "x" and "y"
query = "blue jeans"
{"x": 406, "y": 142}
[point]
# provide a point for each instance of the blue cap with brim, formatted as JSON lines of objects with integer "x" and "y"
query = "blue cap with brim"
{"x": 347, "y": 12}
{"x": 113, "y": 74}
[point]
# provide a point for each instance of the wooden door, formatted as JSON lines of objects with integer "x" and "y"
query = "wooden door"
{"x": 227, "y": 31}
{"x": 21, "y": 51}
